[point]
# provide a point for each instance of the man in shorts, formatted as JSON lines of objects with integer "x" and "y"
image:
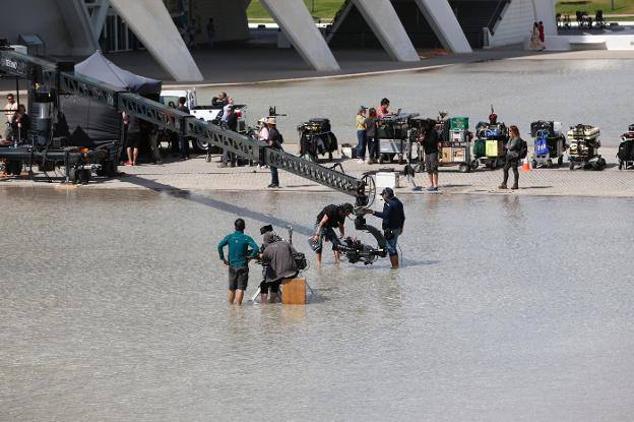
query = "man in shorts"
{"x": 241, "y": 249}
{"x": 331, "y": 217}
{"x": 431, "y": 145}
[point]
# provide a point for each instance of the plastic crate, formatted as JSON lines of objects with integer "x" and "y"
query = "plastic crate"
{"x": 459, "y": 123}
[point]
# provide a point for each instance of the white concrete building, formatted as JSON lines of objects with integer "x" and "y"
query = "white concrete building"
{"x": 77, "y": 27}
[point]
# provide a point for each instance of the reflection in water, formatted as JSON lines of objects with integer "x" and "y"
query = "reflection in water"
{"x": 116, "y": 302}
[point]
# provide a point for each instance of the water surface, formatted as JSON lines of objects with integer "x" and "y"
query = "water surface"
{"x": 112, "y": 307}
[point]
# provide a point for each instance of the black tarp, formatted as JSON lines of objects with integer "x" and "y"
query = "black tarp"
{"x": 91, "y": 123}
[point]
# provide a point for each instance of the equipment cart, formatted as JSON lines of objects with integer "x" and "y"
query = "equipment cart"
{"x": 584, "y": 147}
{"x": 549, "y": 143}
{"x": 456, "y": 146}
{"x": 393, "y": 136}
{"x": 489, "y": 148}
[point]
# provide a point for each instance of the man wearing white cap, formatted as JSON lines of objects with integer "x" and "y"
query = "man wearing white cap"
{"x": 275, "y": 142}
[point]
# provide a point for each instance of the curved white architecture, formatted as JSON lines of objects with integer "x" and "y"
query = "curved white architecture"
{"x": 67, "y": 27}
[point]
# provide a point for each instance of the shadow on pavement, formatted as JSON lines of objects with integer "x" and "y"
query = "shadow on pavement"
{"x": 214, "y": 203}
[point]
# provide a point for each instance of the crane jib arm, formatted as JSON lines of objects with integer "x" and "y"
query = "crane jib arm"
{"x": 48, "y": 76}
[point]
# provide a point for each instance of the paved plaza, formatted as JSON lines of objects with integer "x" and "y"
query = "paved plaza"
{"x": 198, "y": 175}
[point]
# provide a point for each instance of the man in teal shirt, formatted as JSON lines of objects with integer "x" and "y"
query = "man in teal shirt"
{"x": 241, "y": 249}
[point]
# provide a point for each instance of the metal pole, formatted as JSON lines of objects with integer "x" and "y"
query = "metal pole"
{"x": 17, "y": 89}
{"x": 612, "y": 4}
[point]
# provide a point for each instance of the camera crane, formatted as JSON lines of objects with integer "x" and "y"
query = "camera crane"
{"x": 58, "y": 79}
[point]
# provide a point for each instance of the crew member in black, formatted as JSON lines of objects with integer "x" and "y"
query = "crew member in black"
{"x": 330, "y": 217}
{"x": 513, "y": 157}
{"x": 275, "y": 142}
{"x": 393, "y": 217}
{"x": 431, "y": 145}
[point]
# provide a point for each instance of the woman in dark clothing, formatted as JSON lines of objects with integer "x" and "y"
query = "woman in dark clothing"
{"x": 514, "y": 147}
{"x": 371, "y": 139}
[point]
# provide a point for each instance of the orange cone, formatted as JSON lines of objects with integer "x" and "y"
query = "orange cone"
{"x": 526, "y": 167}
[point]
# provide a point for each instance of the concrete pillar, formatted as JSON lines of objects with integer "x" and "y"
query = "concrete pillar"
{"x": 545, "y": 12}
{"x": 153, "y": 25}
{"x": 77, "y": 23}
{"x": 445, "y": 25}
{"x": 298, "y": 26}
{"x": 98, "y": 19}
{"x": 389, "y": 30}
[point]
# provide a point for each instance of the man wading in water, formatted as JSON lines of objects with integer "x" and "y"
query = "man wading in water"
{"x": 241, "y": 249}
{"x": 330, "y": 217}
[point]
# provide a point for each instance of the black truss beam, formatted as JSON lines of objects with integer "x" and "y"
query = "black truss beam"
{"x": 312, "y": 171}
{"x": 218, "y": 136}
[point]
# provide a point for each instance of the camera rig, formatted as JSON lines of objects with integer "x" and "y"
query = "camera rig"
{"x": 357, "y": 251}
{"x": 53, "y": 80}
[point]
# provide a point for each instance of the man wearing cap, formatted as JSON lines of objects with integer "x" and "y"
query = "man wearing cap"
{"x": 274, "y": 141}
{"x": 330, "y": 217}
{"x": 393, "y": 217}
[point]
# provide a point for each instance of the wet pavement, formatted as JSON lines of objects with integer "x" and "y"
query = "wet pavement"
{"x": 112, "y": 307}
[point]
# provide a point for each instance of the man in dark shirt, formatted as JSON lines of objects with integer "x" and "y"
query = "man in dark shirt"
{"x": 393, "y": 217}
{"x": 330, "y": 217}
{"x": 275, "y": 142}
{"x": 431, "y": 145}
{"x": 21, "y": 124}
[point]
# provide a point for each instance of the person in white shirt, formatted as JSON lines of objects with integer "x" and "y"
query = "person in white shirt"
{"x": 9, "y": 111}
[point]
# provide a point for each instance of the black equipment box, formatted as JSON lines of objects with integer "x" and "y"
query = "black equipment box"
{"x": 542, "y": 125}
{"x": 316, "y": 125}
{"x": 631, "y": 128}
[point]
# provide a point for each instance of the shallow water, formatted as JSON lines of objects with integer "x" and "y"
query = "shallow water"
{"x": 570, "y": 91}
{"x": 112, "y": 307}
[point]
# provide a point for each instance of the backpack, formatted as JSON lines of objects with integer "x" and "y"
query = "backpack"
{"x": 523, "y": 149}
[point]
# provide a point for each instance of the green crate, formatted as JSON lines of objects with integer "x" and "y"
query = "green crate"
{"x": 459, "y": 123}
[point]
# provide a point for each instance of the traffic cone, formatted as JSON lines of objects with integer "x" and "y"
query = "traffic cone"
{"x": 526, "y": 167}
